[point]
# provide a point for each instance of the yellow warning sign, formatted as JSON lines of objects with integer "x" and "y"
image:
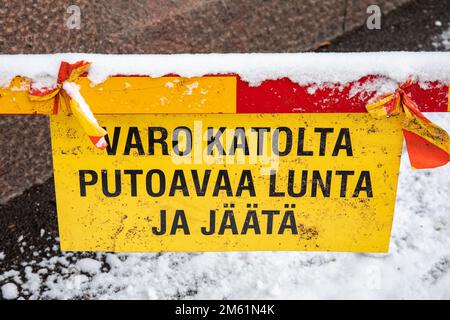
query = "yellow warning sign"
{"x": 227, "y": 182}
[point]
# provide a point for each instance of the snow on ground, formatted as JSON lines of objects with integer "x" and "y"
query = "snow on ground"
{"x": 417, "y": 265}
{"x": 89, "y": 266}
{"x": 9, "y": 291}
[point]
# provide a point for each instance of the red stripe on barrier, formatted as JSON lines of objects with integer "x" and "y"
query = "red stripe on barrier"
{"x": 285, "y": 96}
{"x": 434, "y": 98}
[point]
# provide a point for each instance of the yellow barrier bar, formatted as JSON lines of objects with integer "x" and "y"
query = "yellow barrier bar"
{"x": 14, "y": 99}
{"x": 135, "y": 95}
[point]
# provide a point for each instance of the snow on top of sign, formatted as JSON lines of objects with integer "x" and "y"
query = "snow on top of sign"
{"x": 303, "y": 68}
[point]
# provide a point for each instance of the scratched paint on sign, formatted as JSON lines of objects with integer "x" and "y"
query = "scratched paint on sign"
{"x": 230, "y": 182}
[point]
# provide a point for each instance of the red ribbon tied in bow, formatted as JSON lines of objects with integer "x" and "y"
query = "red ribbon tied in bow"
{"x": 428, "y": 144}
{"x": 67, "y": 98}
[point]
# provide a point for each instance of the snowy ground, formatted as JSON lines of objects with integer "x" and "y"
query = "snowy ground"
{"x": 417, "y": 266}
